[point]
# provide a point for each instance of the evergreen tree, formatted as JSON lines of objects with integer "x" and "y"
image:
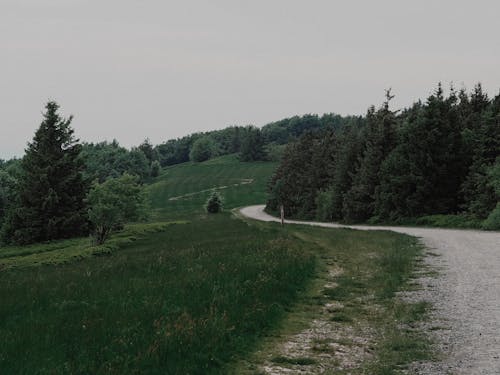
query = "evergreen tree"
{"x": 51, "y": 189}
{"x": 380, "y": 138}
{"x": 484, "y": 143}
{"x": 423, "y": 174}
{"x": 347, "y": 159}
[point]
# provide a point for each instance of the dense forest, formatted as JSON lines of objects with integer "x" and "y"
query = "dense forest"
{"x": 438, "y": 157}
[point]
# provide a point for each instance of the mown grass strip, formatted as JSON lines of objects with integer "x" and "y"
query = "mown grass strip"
{"x": 66, "y": 251}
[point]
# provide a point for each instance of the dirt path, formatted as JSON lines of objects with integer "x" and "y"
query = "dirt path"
{"x": 465, "y": 295}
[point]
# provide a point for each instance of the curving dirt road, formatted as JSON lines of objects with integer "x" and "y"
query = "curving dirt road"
{"x": 465, "y": 295}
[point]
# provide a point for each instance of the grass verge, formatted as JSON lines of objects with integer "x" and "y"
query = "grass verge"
{"x": 351, "y": 320}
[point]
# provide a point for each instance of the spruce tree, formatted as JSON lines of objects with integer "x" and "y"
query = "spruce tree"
{"x": 484, "y": 143}
{"x": 380, "y": 139}
{"x": 51, "y": 189}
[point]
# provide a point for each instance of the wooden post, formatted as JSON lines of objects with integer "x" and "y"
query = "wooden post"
{"x": 282, "y": 212}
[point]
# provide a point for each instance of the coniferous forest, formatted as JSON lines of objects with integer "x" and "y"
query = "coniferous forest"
{"x": 438, "y": 157}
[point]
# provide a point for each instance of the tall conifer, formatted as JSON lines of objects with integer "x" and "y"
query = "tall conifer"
{"x": 51, "y": 189}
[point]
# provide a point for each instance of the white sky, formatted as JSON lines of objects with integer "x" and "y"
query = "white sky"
{"x": 131, "y": 69}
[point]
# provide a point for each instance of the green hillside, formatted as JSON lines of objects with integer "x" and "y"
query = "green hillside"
{"x": 182, "y": 189}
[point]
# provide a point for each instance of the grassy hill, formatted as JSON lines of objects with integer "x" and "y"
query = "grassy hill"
{"x": 182, "y": 189}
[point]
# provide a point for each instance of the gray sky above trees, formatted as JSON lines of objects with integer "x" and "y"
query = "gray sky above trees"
{"x": 162, "y": 69}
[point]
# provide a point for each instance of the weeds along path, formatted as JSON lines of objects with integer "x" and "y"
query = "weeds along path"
{"x": 465, "y": 294}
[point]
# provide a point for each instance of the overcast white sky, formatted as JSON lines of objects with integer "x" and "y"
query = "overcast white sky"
{"x": 131, "y": 69}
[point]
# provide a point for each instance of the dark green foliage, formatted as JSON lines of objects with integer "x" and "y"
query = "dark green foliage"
{"x": 50, "y": 189}
{"x": 114, "y": 203}
{"x": 147, "y": 148}
{"x": 252, "y": 146}
{"x": 203, "y": 149}
{"x": 7, "y": 193}
{"x": 109, "y": 160}
{"x": 214, "y": 203}
{"x": 433, "y": 158}
{"x": 380, "y": 138}
{"x": 305, "y": 168}
{"x": 175, "y": 151}
{"x": 484, "y": 141}
{"x": 424, "y": 173}
{"x": 345, "y": 164}
{"x": 155, "y": 168}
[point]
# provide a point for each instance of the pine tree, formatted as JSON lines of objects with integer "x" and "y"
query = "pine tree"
{"x": 484, "y": 143}
{"x": 423, "y": 174}
{"x": 380, "y": 139}
{"x": 51, "y": 189}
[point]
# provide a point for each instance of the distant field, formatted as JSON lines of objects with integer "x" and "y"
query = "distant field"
{"x": 183, "y": 189}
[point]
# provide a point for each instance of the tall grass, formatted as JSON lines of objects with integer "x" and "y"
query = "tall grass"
{"x": 183, "y": 301}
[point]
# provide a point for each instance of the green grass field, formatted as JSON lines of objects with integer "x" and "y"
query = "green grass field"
{"x": 182, "y": 190}
{"x": 196, "y": 297}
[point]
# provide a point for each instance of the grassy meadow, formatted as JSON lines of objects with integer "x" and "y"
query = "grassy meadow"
{"x": 192, "y": 293}
{"x": 181, "y": 190}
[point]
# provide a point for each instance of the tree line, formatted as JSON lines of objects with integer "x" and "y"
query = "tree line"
{"x": 437, "y": 157}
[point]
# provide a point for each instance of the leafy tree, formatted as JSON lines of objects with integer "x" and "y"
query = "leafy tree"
{"x": 214, "y": 203}
{"x": 51, "y": 189}
{"x": 147, "y": 148}
{"x": 203, "y": 149}
{"x": 113, "y": 203}
{"x": 104, "y": 160}
{"x": 252, "y": 147}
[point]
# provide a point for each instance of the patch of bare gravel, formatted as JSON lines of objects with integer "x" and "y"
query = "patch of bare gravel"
{"x": 465, "y": 295}
{"x": 332, "y": 346}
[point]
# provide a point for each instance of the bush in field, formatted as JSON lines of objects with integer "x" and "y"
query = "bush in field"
{"x": 214, "y": 203}
{"x": 203, "y": 149}
{"x": 113, "y": 203}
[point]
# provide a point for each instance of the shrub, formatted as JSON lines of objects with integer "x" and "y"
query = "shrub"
{"x": 493, "y": 220}
{"x": 214, "y": 203}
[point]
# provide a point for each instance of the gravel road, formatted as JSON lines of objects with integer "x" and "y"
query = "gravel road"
{"x": 465, "y": 295}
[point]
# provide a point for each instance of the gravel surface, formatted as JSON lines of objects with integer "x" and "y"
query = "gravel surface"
{"x": 465, "y": 295}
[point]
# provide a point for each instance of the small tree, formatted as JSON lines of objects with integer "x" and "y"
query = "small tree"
{"x": 113, "y": 203}
{"x": 214, "y": 203}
